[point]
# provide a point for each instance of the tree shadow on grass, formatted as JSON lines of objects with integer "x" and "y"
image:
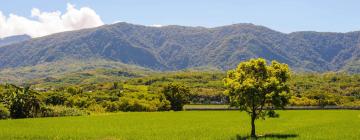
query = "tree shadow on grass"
{"x": 267, "y": 136}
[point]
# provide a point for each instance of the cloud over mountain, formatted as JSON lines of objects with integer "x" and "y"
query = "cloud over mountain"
{"x": 45, "y": 23}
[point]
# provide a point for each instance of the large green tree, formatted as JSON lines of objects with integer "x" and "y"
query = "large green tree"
{"x": 177, "y": 94}
{"x": 256, "y": 87}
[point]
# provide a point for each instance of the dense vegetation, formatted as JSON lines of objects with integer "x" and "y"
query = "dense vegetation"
{"x": 325, "y": 89}
{"x": 186, "y": 125}
{"x": 62, "y": 97}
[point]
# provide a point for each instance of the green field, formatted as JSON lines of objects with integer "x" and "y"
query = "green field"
{"x": 186, "y": 125}
{"x": 195, "y": 106}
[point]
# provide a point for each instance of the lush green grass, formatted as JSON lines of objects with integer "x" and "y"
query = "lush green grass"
{"x": 202, "y": 106}
{"x": 187, "y": 125}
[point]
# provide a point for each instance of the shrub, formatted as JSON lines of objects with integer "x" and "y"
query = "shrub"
{"x": 4, "y": 112}
{"x": 59, "y": 111}
{"x": 164, "y": 105}
{"x": 77, "y": 101}
{"x": 112, "y": 106}
{"x": 133, "y": 104}
{"x": 57, "y": 98}
{"x": 302, "y": 101}
{"x": 96, "y": 108}
{"x": 272, "y": 114}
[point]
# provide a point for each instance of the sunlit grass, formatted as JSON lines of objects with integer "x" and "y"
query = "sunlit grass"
{"x": 201, "y": 106}
{"x": 186, "y": 125}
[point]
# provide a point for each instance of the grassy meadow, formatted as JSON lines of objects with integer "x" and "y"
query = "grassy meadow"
{"x": 186, "y": 125}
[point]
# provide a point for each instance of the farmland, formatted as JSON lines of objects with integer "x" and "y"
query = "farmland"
{"x": 208, "y": 125}
{"x": 150, "y": 106}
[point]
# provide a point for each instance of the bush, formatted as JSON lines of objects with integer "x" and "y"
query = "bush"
{"x": 302, "y": 101}
{"x": 96, "y": 108}
{"x": 135, "y": 104}
{"x": 131, "y": 104}
{"x": 59, "y": 111}
{"x": 272, "y": 114}
{"x": 112, "y": 106}
{"x": 4, "y": 112}
{"x": 57, "y": 98}
{"x": 77, "y": 101}
{"x": 164, "y": 105}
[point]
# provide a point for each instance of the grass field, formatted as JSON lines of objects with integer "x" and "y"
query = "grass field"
{"x": 186, "y": 125}
{"x": 206, "y": 106}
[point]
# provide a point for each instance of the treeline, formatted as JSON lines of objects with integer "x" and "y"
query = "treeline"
{"x": 162, "y": 92}
{"x": 325, "y": 89}
{"x": 23, "y": 102}
{"x": 307, "y": 89}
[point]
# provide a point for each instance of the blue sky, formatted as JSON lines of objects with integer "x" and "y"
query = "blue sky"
{"x": 282, "y": 15}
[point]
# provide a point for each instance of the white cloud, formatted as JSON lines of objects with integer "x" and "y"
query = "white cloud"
{"x": 117, "y": 21}
{"x": 156, "y": 25}
{"x": 45, "y": 23}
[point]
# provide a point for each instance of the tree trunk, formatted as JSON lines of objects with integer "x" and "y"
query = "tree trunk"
{"x": 253, "y": 117}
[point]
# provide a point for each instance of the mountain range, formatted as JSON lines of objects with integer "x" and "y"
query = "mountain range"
{"x": 178, "y": 47}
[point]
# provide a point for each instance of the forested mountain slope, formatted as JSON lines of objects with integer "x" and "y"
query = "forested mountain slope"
{"x": 178, "y": 47}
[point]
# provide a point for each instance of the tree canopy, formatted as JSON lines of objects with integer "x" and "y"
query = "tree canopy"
{"x": 177, "y": 94}
{"x": 254, "y": 86}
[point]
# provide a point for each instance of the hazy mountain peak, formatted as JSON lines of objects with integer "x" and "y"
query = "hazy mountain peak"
{"x": 13, "y": 39}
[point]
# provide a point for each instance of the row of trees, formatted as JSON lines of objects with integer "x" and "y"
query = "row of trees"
{"x": 306, "y": 89}
{"x": 18, "y": 102}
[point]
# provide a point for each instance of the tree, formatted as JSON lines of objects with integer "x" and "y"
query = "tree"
{"x": 177, "y": 94}
{"x": 23, "y": 102}
{"x": 254, "y": 86}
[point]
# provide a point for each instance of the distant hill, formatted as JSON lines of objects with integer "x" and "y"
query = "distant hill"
{"x": 13, "y": 39}
{"x": 178, "y": 47}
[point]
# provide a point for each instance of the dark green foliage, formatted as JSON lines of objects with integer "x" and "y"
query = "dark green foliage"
{"x": 4, "y": 112}
{"x": 177, "y": 94}
{"x": 272, "y": 114}
{"x": 56, "y": 98}
{"x": 23, "y": 102}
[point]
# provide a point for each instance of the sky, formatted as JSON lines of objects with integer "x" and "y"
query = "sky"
{"x": 43, "y": 17}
